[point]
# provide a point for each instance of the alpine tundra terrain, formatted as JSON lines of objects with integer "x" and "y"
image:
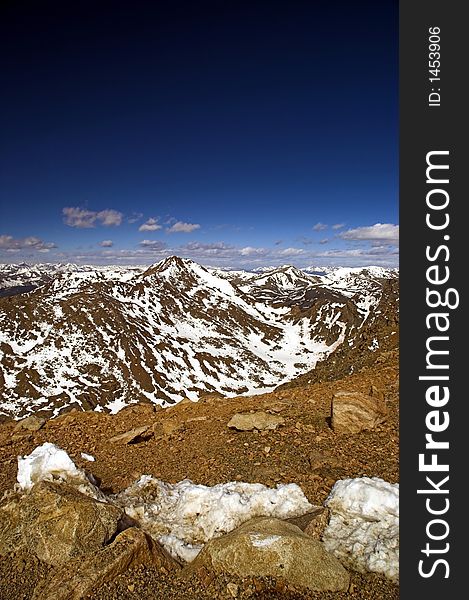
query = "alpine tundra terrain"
{"x": 103, "y": 338}
{"x": 185, "y": 433}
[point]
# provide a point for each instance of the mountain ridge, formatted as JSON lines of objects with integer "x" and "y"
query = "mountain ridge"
{"x": 106, "y": 338}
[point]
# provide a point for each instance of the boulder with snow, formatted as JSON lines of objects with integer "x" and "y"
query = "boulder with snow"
{"x": 353, "y": 412}
{"x": 266, "y": 547}
{"x": 185, "y": 515}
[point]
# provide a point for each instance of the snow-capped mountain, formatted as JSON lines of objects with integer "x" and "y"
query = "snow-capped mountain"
{"x": 21, "y": 278}
{"x": 105, "y": 337}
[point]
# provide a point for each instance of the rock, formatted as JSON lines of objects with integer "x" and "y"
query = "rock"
{"x": 304, "y": 520}
{"x": 315, "y": 528}
{"x": 56, "y": 522}
{"x": 266, "y": 547}
{"x": 257, "y": 420}
{"x": 11, "y": 537}
{"x": 169, "y": 426}
{"x": 353, "y": 412}
{"x": 31, "y": 423}
{"x": 79, "y": 576}
{"x": 132, "y": 435}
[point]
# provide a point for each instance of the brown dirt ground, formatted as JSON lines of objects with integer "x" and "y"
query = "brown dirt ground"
{"x": 201, "y": 448}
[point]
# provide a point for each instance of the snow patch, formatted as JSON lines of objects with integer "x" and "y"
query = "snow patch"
{"x": 87, "y": 457}
{"x": 181, "y": 516}
{"x": 48, "y": 462}
{"x": 263, "y": 541}
{"x": 363, "y": 530}
{"x": 184, "y": 516}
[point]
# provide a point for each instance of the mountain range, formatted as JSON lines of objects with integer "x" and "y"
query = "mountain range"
{"x": 104, "y": 337}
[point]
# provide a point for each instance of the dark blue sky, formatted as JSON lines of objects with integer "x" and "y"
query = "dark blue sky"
{"x": 235, "y": 133}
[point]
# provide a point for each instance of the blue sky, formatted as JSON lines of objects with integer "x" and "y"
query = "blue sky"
{"x": 235, "y": 133}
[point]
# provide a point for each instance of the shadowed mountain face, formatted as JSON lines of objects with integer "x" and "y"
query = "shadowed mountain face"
{"x": 104, "y": 338}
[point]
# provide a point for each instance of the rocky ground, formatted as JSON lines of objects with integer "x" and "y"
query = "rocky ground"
{"x": 192, "y": 440}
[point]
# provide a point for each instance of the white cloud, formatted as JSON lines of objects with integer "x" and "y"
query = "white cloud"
{"x": 324, "y": 241}
{"x": 150, "y": 225}
{"x": 381, "y": 232}
{"x": 152, "y": 244}
{"x": 181, "y": 227}
{"x": 82, "y": 218}
{"x": 134, "y": 217}
{"x": 106, "y": 243}
{"x": 79, "y": 217}
{"x": 208, "y": 248}
{"x": 374, "y": 254}
{"x": 110, "y": 217}
{"x": 291, "y": 252}
{"x": 11, "y": 244}
{"x": 319, "y": 227}
{"x": 338, "y": 226}
{"x": 250, "y": 251}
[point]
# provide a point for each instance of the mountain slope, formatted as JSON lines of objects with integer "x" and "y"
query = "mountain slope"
{"x": 105, "y": 338}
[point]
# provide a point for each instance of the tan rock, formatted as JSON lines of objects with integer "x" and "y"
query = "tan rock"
{"x": 132, "y": 435}
{"x": 169, "y": 426}
{"x": 266, "y": 547}
{"x": 353, "y": 412}
{"x": 257, "y": 420}
{"x": 316, "y": 526}
{"x": 11, "y": 536}
{"x": 79, "y": 576}
{"x": 303, "y": 521}
{"x": 31, "y": 423}
{"x": 56, "y": 522}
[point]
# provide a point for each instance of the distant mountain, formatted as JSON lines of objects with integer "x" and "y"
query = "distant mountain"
{"x": 101, "y": 338}
{"x": 22, "y": 278}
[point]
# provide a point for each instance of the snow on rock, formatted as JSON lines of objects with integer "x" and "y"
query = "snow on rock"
{"x": 184, "y": 516}
{"x": 87, "y": 457}
{"x": 49, "y": 462}
{"x": 363, "y": 530}
{"x": 44, "y": 462}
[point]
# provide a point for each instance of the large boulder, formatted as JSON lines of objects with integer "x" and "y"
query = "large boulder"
{"x": 56, "y": 522}
{"x": 266, "y": 547}
{"x": 81, "y": 575}
{"x": 353, "y": 412}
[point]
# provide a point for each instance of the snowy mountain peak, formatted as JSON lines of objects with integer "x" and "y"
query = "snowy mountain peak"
{"x": 172, "y": 266}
